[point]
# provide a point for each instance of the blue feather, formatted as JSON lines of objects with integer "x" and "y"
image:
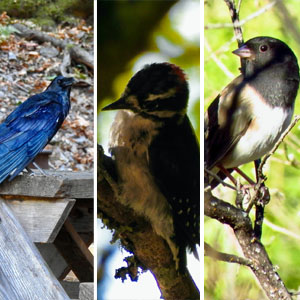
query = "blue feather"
{"x": 30, "y": 127}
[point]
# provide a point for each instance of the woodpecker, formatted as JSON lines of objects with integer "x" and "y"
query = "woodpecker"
{"x": 157, "y": 156}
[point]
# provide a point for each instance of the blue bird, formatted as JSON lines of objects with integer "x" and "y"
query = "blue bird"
{"x": 30, "y": 127}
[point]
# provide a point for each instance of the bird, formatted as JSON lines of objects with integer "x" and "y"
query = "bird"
{"x": 30, "y": 127}
{"x": 247, "y": 118}
{"x": 157, "y": 156}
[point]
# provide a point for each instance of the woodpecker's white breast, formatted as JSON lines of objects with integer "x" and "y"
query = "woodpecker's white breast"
{"x": 129, "y": 142}
{"x": 130, "y": 137}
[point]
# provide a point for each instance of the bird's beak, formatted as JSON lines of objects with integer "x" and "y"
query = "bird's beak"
{"x": 68, "y": 81}
{"x": 119, "y": 104}
{"x": 243, "y": 52}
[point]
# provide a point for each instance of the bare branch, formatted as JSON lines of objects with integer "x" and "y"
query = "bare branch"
{"x": 282, "y": 230}
{"x": 211, "y": 252}
{"x": 255, "y": 255}
{"x": 215, "y": 176}
{"x": 253, "y": 249}
{"x": 296, "y": 119}
{"x": 217, "y": 61}
{"x": 235, "y": 21}
{"x": 244, "y": 21}
{"x": 136, "y": 236}
{"x": 77, "y": 53}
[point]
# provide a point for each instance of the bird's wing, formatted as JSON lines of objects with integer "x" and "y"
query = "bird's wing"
{"x": 226, "y": 120}
{"x": 174, "y": 161}
{"x": 27, "y": 130}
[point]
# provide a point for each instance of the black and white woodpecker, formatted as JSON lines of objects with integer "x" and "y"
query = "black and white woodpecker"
{"x": 157, "y": 156}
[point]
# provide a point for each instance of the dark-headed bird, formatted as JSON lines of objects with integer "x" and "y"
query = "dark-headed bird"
{"x": 30, "y": 127}
{"x": 157, "y": 156}
{"x": 246, "y": 120}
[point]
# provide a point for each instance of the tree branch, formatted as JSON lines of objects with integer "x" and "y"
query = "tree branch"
{"x": 77, "y": 53}
{"x": 136, "y": 236}
{"x": 253, "y": 249}
{"x": 244, "y": 21}
{"x": 235, "y": 21}
{"x": 255, "y": 255}
{"x": 210, "y": 251}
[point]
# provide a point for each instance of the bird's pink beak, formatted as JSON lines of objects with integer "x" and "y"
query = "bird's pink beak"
{"x": 243, "y": 52}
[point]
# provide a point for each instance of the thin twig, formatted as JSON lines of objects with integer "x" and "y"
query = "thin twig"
{"x": 239, "y": 6}
{"x": 257, "y": 194}
{"x": 215, "y": 176}
{"x": 282, "y": 230}
{"x": 224, "y": 48}
{"x": 235, "y": 20}
{"x": 244, "y": 21}
{"x": 211, "y": 252}
{"x": 285, "y": 133}
{"x": 217, "y": 61}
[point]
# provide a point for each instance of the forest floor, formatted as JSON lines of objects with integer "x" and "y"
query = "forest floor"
{"x": 28, "y": 66}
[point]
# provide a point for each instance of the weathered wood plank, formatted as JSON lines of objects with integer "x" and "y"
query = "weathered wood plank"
{"x": 75, "y": 252}
{"x": 23, "y": 272}
{"x": 42, "y": 219}
{"x": 86, "y": 291}
{"x": 56, "y": 184}
{"x": 79, "y": 242}
{"x": 54, "y": 260}
{"x": 71, "y": 288}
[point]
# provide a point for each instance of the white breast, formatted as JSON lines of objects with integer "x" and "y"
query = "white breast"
{"x": 268, "y": 125}
{"x": 130, "y": 138}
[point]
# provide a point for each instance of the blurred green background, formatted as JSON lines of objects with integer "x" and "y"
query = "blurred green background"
{"x": 281, "y": 230}
{"x": 130, "y": 35}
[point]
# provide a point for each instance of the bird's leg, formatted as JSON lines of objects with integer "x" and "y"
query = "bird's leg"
{"x": 259, "y": 205}
{"x": 243, "y": 189}
{"x": 227, "y": 174}
{"x": 246, "y": 177}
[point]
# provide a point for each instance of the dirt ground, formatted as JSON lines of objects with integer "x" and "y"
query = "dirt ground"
{"x": 27, "y": 67}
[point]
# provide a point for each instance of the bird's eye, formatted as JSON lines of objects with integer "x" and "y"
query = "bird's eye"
{"x": 59, "y": 81}
{"x": 263, "y": 48}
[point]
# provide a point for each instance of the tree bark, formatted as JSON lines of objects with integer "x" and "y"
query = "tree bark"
{"x": 253, "y": 249}
{"x": 136, "y": 236}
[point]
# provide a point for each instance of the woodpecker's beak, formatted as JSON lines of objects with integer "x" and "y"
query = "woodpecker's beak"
{"x": 243, "y": 52}
{"x": 119, "y": 104}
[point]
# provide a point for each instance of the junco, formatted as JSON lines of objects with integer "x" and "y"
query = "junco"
{"x": 246, "y": 120}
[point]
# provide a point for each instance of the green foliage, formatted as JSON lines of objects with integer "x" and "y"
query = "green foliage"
{"x": 229, "y": 281}
{"x": 21, "y": 8}
{"x": 6, "y": 31}
{"x": 48, "y": 12}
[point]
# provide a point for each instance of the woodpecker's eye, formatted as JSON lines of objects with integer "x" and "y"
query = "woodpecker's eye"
{"x": 263, "y": 48}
